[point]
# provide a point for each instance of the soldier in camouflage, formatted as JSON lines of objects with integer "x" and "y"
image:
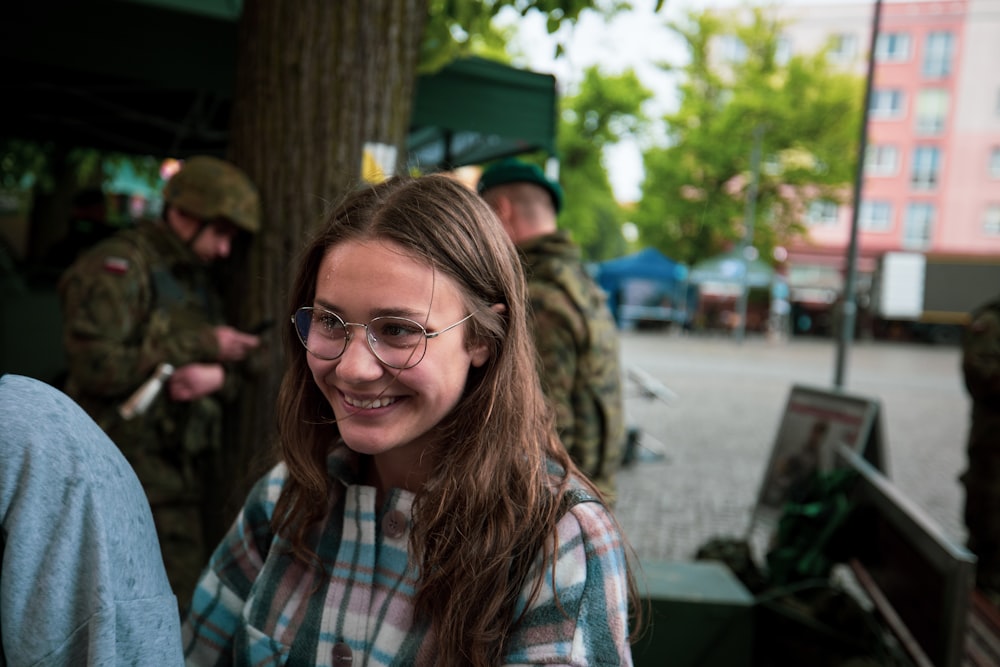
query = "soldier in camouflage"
{"x": 145, "y": 297}
{"x": 981, "y": 371}
{"x": 574, "y": 330}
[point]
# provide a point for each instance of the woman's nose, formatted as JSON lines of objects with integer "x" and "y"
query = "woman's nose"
{"x": 358, "y": 361}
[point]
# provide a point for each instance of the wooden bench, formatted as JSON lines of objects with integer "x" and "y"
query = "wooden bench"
{"x": 982, "y": 637}
{"x": 920, "y": 582}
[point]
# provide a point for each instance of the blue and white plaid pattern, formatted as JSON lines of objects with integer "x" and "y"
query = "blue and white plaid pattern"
{"x": 256, "y": 605}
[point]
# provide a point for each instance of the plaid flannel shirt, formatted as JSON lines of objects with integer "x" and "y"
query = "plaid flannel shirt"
{"x": 256, "y": 605}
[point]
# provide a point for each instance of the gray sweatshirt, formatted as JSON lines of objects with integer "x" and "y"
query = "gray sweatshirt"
{"x": 82, "y": 580}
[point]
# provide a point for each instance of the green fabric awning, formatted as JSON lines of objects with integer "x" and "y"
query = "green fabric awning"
{"x": 476, "y": 110}
{"x": 155, "y": 77}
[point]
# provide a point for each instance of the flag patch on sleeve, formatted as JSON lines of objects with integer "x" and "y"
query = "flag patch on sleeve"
{"x": 116, "y": 265}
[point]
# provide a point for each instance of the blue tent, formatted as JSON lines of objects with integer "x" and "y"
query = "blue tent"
{"x": 644, "y": 285}
{"x": 648, "y": 263}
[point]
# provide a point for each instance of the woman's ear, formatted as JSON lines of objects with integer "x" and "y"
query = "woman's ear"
{"x": 480, "y": 352}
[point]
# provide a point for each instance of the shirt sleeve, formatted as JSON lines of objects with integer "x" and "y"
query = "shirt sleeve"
{"x": 580, "y": 616}
{"x": 215, "y": 615}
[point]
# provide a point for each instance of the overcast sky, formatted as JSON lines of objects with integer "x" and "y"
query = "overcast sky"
{"x": 638, "y": 39}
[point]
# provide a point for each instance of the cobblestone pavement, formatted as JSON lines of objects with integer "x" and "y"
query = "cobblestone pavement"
{"x": 717, "y": 432}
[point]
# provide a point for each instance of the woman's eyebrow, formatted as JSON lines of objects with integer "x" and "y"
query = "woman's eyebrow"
{"x": 408, "y": 313}
{"x": 324, "y": 304}
{"x": 393, "y": 311}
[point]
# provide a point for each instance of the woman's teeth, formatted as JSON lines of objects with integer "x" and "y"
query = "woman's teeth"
{"x": 367, "y": 405}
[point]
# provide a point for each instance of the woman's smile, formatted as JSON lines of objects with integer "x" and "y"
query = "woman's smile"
{"x": 369, "y": 403}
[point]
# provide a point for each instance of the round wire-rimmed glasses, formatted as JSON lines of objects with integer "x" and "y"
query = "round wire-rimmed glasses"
{"x": 398, "y": 342}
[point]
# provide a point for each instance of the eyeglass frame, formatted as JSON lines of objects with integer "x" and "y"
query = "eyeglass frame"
{"x": 369, "y": 336}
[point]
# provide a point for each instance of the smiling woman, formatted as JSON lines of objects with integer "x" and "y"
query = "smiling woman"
{"x": 401, "y": 454}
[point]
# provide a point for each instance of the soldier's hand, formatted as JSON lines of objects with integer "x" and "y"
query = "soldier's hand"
{"x": 191, "y": 382}
{"x": 234, "y": 345}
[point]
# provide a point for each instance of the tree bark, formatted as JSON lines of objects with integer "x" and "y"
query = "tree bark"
{"x": 316, "y": 80}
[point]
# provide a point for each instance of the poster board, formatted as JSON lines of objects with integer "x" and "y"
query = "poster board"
{"x": 814, "y": 422}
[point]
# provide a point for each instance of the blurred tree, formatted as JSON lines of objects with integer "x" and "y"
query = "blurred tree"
{"x": 694, "y": 190}
{"x": 603, "y": 111}
{"x": 460, "y": 27}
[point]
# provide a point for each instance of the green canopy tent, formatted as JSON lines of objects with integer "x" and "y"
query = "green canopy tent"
{"x": 729, "y": 268}
{"x": 155, "y": 77}
{"x": 476, "y": 110}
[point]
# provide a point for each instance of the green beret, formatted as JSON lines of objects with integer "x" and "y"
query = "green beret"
{"x": 513, "y": 170}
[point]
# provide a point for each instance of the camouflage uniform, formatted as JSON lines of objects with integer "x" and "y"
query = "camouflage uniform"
{"x": 133, "y": 301}
{"x": 981, "y": 371}
{"x": 578, "y": 351}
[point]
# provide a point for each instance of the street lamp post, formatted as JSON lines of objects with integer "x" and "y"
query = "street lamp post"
{"x": 747, "y": 248}
{"x": 849, "y": 301}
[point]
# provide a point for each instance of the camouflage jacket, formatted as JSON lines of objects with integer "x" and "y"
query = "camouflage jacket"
{"x": 578, "y": 351}
{"x": 135, "y": 300}
{"x": 981, "y": 372}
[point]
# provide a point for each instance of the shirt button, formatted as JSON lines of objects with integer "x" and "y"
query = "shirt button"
{"x": 342, "y": 654}
{"x": 394, "y": 524}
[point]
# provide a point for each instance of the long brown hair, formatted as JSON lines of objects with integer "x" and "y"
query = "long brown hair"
{"x": 490, "y": 505}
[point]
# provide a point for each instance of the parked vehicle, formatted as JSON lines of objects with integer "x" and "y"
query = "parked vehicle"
{"x": 928, "y": 297}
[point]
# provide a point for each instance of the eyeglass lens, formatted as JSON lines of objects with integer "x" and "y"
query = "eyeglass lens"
{"x": 396, "y": 341}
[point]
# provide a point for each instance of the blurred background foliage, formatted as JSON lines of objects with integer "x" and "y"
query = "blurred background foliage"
{"x": 806, "y": 112}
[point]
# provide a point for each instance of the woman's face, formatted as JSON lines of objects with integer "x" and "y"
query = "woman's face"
{"x": 381, "y": 409}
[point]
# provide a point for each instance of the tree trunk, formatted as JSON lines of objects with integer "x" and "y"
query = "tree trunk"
{"x": 316, "y": 80}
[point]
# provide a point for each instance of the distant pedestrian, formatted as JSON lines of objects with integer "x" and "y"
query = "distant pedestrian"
{"x": 574, "y": 330}
{"x": 981, "y": 371}
{"x": 144, "y": 303}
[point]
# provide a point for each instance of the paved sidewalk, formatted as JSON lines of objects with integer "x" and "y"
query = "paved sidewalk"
{"x": 718, "y": 431}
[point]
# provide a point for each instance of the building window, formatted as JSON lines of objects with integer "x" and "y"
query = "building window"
{"x": 937, "y": 54}
{"x": 893, "y": 47}
{"x": 918, "y": 226}
{"x": 932, "y": 110}
{"x": 875, "y": 216}
{"x": 822, "y": 212}
{"x": 926, "y": 167}
{"x": 991, "y": 221}
{"x": 995, "y": 162}
{"x": 886, "y": 103}
{"x": 881, "y": 160}
{"x": 843, "y": 48}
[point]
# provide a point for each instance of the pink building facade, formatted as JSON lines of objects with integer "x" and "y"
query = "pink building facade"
{"x": 932, "y": 168}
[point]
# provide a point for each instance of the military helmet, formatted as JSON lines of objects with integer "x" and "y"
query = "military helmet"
{"x": 209, "y": 188}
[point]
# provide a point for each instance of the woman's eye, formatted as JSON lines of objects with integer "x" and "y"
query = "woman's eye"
{"x": 398, "y": 329}
{"x": 330, "y": 324}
